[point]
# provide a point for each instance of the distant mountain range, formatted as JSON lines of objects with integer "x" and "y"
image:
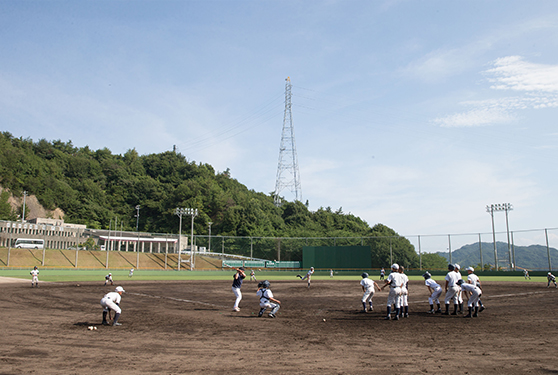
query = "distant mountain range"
{"x": 534, "y": 257}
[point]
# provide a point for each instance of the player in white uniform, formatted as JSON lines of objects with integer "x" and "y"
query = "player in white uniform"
{"x": 267, "y": 300}
{"x": 475, "y": 294}
{"x": 331, "y": 274}
{"x": 452, "y": 289}
{"x": 131, "y": 272}
{"x": 526, "y": 274}
{"x": 108, "y": 279}
{"x": 368, "y": 286}
{"x": 551, "y": 279}
{"x": 35, "y": 277}
{"x": 474, "y": 280}
{"x": 435, "y": 291}
{"x": 308, "y": 276}
{"x": 252, "y": 275}
{"x": 395, "y": 281}
{"x": 404, "y": 293}
{"x": 111, "y": 301}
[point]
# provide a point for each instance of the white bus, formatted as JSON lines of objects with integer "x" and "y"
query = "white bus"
{"x": 29, "y": 243}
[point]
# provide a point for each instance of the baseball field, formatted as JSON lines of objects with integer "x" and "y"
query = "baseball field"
{"x": 188, "y": 326}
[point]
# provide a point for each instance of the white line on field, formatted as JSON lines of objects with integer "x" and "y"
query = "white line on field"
{"x": 177, "y": 299}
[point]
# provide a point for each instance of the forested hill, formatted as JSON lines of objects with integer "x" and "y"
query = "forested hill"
{"x": 94, "y": 186}
{"x": 534, "y": 257}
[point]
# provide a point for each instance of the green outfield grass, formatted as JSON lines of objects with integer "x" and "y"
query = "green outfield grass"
{"x": 61, "y": 275}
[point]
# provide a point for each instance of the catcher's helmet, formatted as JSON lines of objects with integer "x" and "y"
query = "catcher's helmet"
{"x": 427, "y": 275}
{"x": 364, "y": 275}
{"x": 451, "y": 267}
{"x": 265, "y": 284}
{"x": 460, "y": 281}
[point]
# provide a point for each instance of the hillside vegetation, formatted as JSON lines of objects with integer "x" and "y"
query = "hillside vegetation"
{"x": 534, "y": 257}
{"x": 94, "y": 186}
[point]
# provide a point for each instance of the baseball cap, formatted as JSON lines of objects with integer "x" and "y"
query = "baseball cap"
{"x": 470, "y": 269}
{"x": 395, "y": 266}
{"x": 120, "y": 289}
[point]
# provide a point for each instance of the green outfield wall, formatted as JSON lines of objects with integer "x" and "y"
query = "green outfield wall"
{"x": 344, "y": 257}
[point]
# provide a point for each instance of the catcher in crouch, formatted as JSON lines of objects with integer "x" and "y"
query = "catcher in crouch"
{"x": 266, "y": 299}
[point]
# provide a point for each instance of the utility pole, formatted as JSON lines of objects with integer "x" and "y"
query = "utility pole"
{"x": 288, "y": 175}
{"x": 23, "y": 213}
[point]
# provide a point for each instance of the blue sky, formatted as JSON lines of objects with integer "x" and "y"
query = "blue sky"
{"x": 413, "y": 114}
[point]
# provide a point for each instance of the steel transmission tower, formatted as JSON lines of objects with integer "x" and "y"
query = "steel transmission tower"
{"x": 288, "y": 175}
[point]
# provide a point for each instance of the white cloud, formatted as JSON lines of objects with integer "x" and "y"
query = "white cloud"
{"x": 513, "y": 73}
{"x": 476, "y": 117}
{"x": 538, "y": 84}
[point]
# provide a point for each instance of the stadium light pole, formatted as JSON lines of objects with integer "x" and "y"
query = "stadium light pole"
{"x": 495, "y": 208}
{"x": 137, "y": 231}
{"x": 209, "y": 239}
{"x": 179, "y": 212}
{"x": 490, "y": 210}
{"x": 193, "y": 212}
{"x": 23, "y": 213}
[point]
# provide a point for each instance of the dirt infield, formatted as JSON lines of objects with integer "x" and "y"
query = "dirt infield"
{"x": 189, "y": 327}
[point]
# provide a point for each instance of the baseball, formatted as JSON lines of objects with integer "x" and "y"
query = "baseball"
{"x": 90, "y": 328}
{"x": 95, "y": 328}
{"x": 324, "y": 320}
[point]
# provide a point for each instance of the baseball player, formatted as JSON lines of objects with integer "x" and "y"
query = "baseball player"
{"x": 252, "y": 275}
{"x": 111, "y": 302}
{"x": 131, "y": 272}
{"x": 267, "y": 300}
{"x": 551, "y": 278}
{"x": 526, "y": 274}
{"x": 237, "y": 283}
{"x": 395, "y": 281}
{"x": 108, "y": 279}
{"x": 452, "y": 289}
{"x": 308, "y": 276}
{"x": 473, "y": 298}
{"x": 404, "y": 293}
{"x": 435, "y": 291}
{"x": 368, "y": 286}
{"x": 474, "y": 280}
{"x": 35, "y": 277}
{"x": 382, "y": 273}
{"x": 331, "y": 274}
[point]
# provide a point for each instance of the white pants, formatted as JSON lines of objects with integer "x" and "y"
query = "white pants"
{"x": 474, "y": 298}
{"x": 435, "y": 296}
{"x": 394, "y": 297}
{"x": 404, "y": 295}
{"x": 238, "y": 295}
{"x": 109, "y": 304}
{"x": 35, "y": 280}
{"x": 452, "y": 294}
{"x": 367, "y": 296}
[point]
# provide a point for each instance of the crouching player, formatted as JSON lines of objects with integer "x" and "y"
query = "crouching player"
{"x": 267, "y": 300}
{"x": 368, "y": 286}
{"x": 111, "y": 302}
{"x": 435, "y": 291}
{"x": 473, "y": 298}
{"x": 551, "y": 279}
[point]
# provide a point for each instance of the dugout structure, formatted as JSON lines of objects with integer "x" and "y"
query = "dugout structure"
{"x": 338, "y": 257}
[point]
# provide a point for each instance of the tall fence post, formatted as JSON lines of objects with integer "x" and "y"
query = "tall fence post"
{"x": 9, "y": 249}
{"x": 480, "y": 251}
{"x": 420, "y": 254}
{"x": 449, "y": 247}
{"x": 548, "y": 250}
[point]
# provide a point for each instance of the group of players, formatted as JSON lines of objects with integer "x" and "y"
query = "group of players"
{"x": 397, "y": 281}
{"x": 398, "y": 284}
